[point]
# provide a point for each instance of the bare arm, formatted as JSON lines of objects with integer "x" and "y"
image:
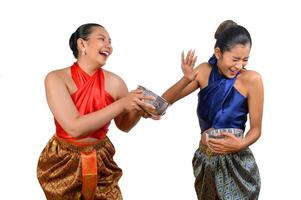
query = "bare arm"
{"x": 180, "y": 89}
{"x": 125, "y": 121}
{"x": 187, "y": 84}
{"x": 255, "y": 104}
{"x": 65, "y": 112}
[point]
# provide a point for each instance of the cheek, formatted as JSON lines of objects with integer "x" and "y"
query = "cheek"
{"x": 229, "y": 63}
{"x": 244, "y": 64}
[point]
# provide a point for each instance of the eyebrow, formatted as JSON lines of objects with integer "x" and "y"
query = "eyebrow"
{"x": 104, "y": 36}
{"x": 239, "y": 57}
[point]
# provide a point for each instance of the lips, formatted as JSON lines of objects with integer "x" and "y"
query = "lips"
{"x": 233, "y": 72}
{"x": 104, "y": 53}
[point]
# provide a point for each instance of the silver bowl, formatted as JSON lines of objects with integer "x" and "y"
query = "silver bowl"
{"x": 159, "y": 102}
{"x": 216, "y": 133}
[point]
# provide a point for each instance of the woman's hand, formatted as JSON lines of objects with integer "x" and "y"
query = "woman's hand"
{"x": 134, "y": 101}
{"x": 187, "y": 65}
{"x": 229, "y": 144}
{"x": 152, "y": 116}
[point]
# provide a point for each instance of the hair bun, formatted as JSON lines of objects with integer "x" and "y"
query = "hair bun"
{"x": 223, "y": 26}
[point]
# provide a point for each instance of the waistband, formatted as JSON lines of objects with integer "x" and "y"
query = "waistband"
{"x": 215, "y": 133}
{"x": 206, "y": 150}
{"x": 80, "y": 146}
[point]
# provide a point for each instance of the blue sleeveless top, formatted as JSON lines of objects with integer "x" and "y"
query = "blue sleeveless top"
{"x": 220, "y": 105}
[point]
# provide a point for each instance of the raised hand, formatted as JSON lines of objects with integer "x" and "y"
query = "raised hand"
{"x": 188, "y": 63}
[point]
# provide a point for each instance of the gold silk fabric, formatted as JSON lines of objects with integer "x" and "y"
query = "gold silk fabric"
{"x": 79, "y": 171}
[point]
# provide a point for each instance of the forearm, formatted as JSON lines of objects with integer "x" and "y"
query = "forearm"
{"x": 171, "y": 95}
{"x": 85, "y": 124}
{"x": 251, "y": 137}
{"x": 129, "y": 120}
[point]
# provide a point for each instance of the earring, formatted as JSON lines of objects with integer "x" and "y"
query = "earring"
{"x": 83, "y": 52}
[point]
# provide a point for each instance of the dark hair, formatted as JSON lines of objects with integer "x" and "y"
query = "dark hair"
{"x": 83, "y": 32}
{"x": 229, "y": 34}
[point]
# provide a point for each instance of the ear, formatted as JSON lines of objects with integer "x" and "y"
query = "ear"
{"x": 81, "y": 44}
{"x": 218, "y": 53}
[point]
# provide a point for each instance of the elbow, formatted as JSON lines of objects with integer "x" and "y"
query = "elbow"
{"x": 74, "y": 130}
{"x": 74, "y": 134}
{"x": 257, "y": 132}
{"x": 125, "y": 129}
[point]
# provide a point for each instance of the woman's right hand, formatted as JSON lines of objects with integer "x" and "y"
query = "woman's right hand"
{"x": 187, "y": 65}
{"x": 134, "y": 101}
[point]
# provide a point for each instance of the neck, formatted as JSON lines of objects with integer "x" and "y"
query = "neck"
{"x": 88, "y": 66}
{"x": 217, "y": 65}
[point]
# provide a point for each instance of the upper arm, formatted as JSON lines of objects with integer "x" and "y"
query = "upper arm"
{"x": 118, "y": 89}
{"x": 59, "y": 100}
{"x": 255, "y": 97}
{"x": 116, "y": 86}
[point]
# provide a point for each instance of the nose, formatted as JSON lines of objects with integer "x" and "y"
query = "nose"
{"x": 239, "y": 65}
{"x": 109, "y": 46}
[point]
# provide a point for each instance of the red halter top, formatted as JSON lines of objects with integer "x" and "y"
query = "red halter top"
{"x": 89, "y": 97}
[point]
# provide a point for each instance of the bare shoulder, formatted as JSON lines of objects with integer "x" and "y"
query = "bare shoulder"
{"x": 115, "y": 85}
{"x": 250, "y": 76}
{"x": 203, "y": 72}
{"x": 203, "y": 67}
{"x": 112, "y": 77}
{"x": 54, "y": 76}
{"x": 59, "y": 77}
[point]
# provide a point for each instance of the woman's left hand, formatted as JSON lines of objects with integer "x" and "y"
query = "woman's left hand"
{"x": 229, "y": 144}
{"x": 187, "y": 65}
{"x": 149, "y": 115}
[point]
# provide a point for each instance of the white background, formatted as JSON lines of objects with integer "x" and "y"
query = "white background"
{"x": 148, "y": 37}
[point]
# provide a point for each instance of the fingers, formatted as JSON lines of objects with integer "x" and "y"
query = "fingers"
{"x": 226, "y": 145}
{"x": 146, "y": 115}
{"x": 194, "y": 60}
{"x": 149, "y": 115}
{"x": 145, "y": 106}
{"x": 229, "y": 135}
{"x": 217, "y": 148}
{"x": 190, "y": 59}
{"x": 143, "y": 97}
{"x": 135, "y": 100}
{"x": 155, "y": 117}
{"x": 215, "y": 141}
{"x": 136, "y": 107}
{"x": 187, "y": 57}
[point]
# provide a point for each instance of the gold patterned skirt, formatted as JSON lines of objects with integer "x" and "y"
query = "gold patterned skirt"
{"x": 74, "y": 171}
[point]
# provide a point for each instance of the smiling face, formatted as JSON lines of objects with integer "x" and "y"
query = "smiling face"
{"x": 97, "y": 46}
{"x": 231, "y": 62}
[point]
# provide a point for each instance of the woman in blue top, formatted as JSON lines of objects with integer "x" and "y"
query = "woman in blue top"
{"x": 224, "y": 166}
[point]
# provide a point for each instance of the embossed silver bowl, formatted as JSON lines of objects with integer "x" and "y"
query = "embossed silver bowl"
{"x": 216, "y": 133}
{"x": 159, "y": 103}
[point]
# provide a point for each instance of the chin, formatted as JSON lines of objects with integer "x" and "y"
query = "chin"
{"x": 230, "y": 75}
{"x": 101, "y": 63}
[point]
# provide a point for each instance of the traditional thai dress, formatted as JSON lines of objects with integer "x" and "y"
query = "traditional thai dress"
{"x": 221, "y": 108}
{"x": 72, "y": 170}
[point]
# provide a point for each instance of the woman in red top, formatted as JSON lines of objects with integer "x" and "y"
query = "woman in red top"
{"x": 77, "y": 162}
